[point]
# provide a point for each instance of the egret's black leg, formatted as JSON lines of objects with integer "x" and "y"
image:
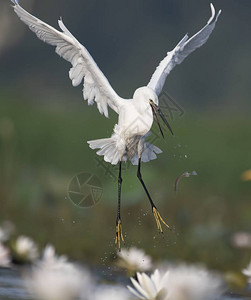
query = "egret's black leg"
{"x": 156, "y": 214}
{"x": 119, "y": 235}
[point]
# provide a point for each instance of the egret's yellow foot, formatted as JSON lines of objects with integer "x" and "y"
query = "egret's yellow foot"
{"x": 119, "y": 234}
{"x": 158, "y": 220}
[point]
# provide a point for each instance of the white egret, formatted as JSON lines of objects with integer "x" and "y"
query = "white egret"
{"x": 135, "y": 116}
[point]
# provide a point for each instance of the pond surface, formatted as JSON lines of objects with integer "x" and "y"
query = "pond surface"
{"x": 12, "y": 287}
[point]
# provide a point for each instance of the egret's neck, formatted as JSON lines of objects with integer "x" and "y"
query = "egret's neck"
{"x": 141, "y": 100}
{"x": 142, "y": 106}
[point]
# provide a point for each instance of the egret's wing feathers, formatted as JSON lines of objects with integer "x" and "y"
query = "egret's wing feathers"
{"x": 96, "y": 86}
{"x": 180, "y": 52}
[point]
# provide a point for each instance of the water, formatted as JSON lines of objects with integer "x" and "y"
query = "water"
{"x": 12, "y": 287}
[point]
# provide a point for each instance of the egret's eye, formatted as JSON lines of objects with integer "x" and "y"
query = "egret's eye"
{"x": 151, "y": 101}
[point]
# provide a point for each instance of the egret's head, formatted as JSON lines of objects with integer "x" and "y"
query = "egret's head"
{"x": 146, "y": 94}
{"x": 150, "y": 98}
{"x": 145, "y": 98}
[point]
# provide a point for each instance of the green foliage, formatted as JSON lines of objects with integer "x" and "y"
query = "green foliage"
{"x": 43, "y": 146}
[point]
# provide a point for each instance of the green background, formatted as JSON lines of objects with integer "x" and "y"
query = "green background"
{"x": 44, "y": 126}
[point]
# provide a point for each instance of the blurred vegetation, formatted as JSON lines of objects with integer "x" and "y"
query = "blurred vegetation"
{"x": 44, "y": 126}
{"x": 43, "y": 148}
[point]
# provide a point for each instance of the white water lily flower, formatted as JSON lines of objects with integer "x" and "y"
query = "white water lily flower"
{"x": 134, "y": 260}
{"x": 180, "y": 283}
{"x": 247, "y": 272}
{"x": 5, "y": 259}
{"x": 151, "y": 288}
{"x": 54, "y": 278}
{"x": 25, "y": 249}
{"x": 49, "y": 257}
{"x": 111, "y": 293}
{"x": 193, "y": 283}
{"x": 241, "y": 240}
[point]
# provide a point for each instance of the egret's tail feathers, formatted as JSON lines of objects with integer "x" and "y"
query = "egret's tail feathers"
{"x": 149, "y": 153}
{"x": 95, "y": 144}
{"x": 107, "y": 148}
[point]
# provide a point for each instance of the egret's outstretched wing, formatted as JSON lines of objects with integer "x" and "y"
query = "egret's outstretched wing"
{"x": 180, "y": 52}
{"x": 96, "y": 86}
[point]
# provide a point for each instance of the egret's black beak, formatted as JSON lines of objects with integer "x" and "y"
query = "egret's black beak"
{"x": 156, "y": 110}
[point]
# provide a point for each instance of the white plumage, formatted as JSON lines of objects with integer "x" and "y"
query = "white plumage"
{"x": 180, "y": 52}
{"x": 96, "y": 86}
{"x": 135, "y": 115}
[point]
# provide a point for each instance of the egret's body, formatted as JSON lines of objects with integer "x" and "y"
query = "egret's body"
{"x": 136, "y": 115}
{"x": 134, "y": 122}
